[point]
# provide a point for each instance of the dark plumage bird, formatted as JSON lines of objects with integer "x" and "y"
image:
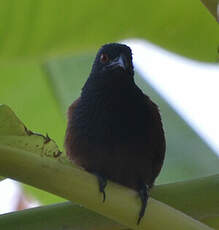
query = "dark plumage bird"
{"x": 114, "y": 130}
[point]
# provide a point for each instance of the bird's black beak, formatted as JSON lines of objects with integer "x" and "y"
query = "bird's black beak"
{"x": 118, "y": 62}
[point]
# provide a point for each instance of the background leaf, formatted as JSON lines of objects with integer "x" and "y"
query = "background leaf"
{"x": 36, "y": 29}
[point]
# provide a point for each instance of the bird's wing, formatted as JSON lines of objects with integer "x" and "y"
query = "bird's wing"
{"x": 71, "y": 109}
{"x": 159, "y": 138}
{"x": 69, "y": 131}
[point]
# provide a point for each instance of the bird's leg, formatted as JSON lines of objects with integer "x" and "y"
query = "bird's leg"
{"x": 102, "y": 181}
{"x": 143, "y": 193}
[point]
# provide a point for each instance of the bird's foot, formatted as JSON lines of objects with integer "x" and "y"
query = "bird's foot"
{"x": 102, "y": 181}
{"x": 143, "y": 194}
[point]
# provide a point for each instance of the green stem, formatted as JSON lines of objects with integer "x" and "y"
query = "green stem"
{"x": 197, "y": 198}
{"x": 122, "y": 204}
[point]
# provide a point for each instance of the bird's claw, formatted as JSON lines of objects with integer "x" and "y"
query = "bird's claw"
{"x": 102, "y": 181}
{"x": 143, "y": 194}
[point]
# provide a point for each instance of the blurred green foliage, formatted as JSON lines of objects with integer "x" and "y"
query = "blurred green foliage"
{"x": 39, "y": 28}
{"x": 33, "y": 32}
{"x": 25, "y": 88}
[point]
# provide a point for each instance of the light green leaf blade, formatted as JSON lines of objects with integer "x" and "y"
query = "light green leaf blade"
{"x": 13, "y": 133}
{"x": 35, "y": 29}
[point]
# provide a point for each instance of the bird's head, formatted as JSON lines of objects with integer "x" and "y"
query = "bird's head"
{"x": 113, "y": 59}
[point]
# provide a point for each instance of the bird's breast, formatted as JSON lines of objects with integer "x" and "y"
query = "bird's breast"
{"x": 111, "y": 117}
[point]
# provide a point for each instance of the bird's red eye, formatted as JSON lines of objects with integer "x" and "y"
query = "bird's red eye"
{"x": 104, "y": 58}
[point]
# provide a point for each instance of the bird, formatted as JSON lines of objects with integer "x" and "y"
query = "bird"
{"x": 114, "y": 130}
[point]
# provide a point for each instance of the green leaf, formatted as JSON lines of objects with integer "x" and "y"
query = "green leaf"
{"x": 13, "y": 133}
{"x": 24, "y": 87}
{"x": 9, "y": 123}
{"x": 33, "y": 29}
{"x": 56, "y": 217}
{"x": 212, "y": 221}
